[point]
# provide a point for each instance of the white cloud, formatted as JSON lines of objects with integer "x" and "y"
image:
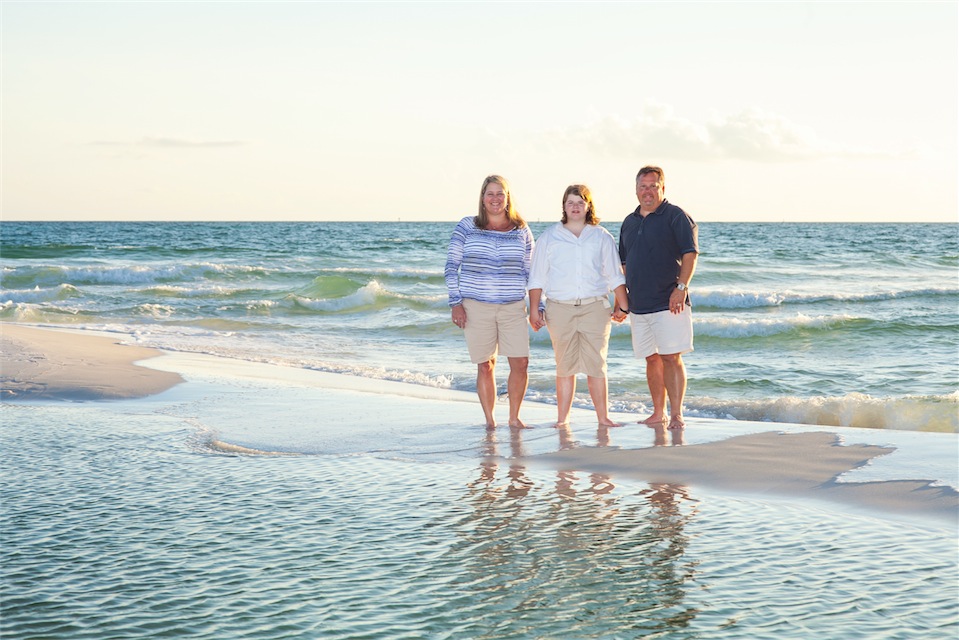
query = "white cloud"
{"x": 750, "y": 135}
{"x": 756, "y": 135}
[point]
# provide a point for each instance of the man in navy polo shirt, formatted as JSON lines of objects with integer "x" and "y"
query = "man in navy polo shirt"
{"x": 658, "y": 245}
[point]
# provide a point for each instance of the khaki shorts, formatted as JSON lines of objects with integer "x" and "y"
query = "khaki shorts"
{"x": 493, "y": 329}
{"x": 580, "y": 337}
{"x": 662, "y": 332}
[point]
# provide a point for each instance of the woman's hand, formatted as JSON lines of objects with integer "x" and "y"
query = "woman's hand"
{"x": 459, "y": 316}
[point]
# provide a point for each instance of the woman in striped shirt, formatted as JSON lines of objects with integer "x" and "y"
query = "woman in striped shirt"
{"x": 487, "y": 266}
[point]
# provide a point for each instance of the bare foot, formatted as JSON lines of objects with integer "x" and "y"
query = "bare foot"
{"x": 653, "y": 420}
{"x": 677, "y": 423}
{"x": 518, "y": 424}
{"x": 560, "y": 424}
{"x": 606, "y": 422}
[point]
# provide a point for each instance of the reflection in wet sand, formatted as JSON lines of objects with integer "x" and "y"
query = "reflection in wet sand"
{"x": 566, "y": 440}
{"x": 676, "y": 437}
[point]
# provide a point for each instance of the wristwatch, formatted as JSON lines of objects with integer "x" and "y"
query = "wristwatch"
{"x": 682, "y": 287}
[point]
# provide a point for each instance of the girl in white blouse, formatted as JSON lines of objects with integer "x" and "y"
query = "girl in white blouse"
{"x": 575, "y": 267}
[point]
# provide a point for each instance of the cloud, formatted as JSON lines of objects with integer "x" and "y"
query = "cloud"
{"x": 756, "y": 135}
{"x": 169, "y": 143}
{"x": 751, "y": 135}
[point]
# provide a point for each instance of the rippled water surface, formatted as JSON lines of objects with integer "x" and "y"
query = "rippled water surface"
{"x": 118, "y": 523}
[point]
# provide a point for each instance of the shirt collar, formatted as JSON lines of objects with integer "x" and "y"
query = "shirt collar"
{"x": 659, "y": 209}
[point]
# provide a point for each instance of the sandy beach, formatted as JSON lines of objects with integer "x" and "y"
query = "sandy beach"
{"x": 48, "y": 364}
{"x": 61, "y": 365}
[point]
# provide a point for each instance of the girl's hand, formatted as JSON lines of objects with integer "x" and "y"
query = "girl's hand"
{"x": 536, "y": 319}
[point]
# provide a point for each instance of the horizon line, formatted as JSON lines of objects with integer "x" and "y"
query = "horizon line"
{"x": 451, "y": 221}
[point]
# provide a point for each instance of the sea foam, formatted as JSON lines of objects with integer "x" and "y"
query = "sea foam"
{"x": 910, "y": 413}
{"x": 761, "y": 326}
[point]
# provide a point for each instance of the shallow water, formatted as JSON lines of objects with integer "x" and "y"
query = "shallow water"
{"x": 118, "y": 521}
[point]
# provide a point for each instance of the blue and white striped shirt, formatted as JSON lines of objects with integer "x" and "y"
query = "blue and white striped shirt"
{"x": 488, "y": 266}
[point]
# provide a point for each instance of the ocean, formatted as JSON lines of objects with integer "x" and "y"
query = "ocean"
{"x": 832, "y": 324}
{"x": 395, "y": 514}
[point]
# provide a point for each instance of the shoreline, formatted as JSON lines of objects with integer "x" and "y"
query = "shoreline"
{"x": 52, "y": 364}
{"x": 786, "y": 460}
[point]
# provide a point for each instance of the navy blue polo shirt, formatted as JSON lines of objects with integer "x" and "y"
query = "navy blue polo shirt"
{"x": 652, "y": 250}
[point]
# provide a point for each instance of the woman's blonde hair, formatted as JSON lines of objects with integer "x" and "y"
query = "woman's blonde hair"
{"x": 583, "y": 192}
{"x": 482, "y": 220}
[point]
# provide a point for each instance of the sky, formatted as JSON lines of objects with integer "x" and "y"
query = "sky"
{"x": 757, "y": 111}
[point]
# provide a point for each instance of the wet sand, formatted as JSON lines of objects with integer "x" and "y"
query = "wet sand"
{"x": 788, "y": 464}
{"x": 61, "y": 365}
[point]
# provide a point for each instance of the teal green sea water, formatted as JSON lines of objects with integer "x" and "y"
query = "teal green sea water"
{"x": 843, "y": 324}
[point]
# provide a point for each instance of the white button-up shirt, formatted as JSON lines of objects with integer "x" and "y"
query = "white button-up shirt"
{"x": 569, "y": 268}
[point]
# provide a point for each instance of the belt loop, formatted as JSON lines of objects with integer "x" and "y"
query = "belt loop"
{"x": 579, "y": 302}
